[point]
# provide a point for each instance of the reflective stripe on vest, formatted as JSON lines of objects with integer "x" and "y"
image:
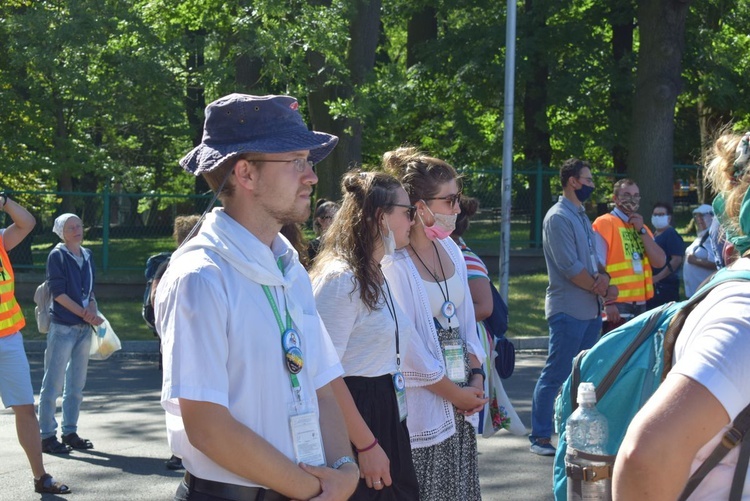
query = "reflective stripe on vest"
{"x": 622, "y": 243}
{"x": 11, "y": 316}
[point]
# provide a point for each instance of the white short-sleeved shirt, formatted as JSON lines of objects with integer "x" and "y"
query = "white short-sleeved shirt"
{"x": 692, "y": 274}
{"x": 221, "y": 342}
{"x": 713, "y": 349}
{"x": 365, "y": 340}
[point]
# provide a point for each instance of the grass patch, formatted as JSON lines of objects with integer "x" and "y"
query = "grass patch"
{"x": 526, "y": 305}
{"x": 123, "y": 314}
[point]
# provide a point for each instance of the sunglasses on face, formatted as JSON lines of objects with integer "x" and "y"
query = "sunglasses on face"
{"x": 411, "y": 212}
{"x": 453, "y": 200}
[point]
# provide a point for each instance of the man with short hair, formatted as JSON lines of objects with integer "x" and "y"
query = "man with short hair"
{"x": 572, "y": 305}
{"x": 247, "y": 361}
{"x": 627, "y": 247}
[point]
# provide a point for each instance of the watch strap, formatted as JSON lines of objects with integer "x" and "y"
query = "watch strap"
{"x": 342, "y": 461}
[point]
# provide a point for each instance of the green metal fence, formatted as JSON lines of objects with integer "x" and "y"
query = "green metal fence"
{"x": 123, "y": 229}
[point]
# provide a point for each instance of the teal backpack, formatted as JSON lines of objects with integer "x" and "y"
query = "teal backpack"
{"x": 626, "y": 366}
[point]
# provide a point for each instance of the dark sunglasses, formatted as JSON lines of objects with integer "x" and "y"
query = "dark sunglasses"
{"x": 453, "y": 200}
{"x": 412, "y": 210}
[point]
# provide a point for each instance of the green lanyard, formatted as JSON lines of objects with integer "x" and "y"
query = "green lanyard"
{"x": 284, "y": 329}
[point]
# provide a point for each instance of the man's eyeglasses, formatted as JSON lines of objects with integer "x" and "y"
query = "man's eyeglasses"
{"x": 453, "y": 200}
{"x": 412, "y": 210}
{"x": 299, "y": 163}
{"x": 628, "y": 198}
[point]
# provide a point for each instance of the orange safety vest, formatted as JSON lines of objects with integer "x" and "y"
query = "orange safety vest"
{"x": 623, "y": 242}
{"x": 11, "y": 316}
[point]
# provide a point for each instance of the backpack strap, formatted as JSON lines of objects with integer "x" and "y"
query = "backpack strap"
{"x": 675, "y": 326}
{"x": 740, "y": 472}
{"x": 575, "y": 380}
{"x": 733, "y": 436}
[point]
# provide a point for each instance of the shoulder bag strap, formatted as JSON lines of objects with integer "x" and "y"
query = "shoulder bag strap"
{"x": 740, "y": 472}
{"x": 731, "y": 438}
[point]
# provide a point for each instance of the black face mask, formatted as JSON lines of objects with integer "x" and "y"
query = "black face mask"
{"x": 584, "y": 192}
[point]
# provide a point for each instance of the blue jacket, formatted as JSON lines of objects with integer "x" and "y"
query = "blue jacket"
{"x": 65, "y": 277}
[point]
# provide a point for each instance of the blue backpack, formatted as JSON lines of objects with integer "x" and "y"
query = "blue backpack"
{"x": 626, "y": 366}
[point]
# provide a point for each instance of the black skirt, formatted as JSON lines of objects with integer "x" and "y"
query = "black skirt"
{"x": 375, "y": 399}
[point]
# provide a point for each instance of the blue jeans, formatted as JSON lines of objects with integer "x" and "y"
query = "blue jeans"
{"x": 567, "y": 337}
{"x": 66, "y": 360}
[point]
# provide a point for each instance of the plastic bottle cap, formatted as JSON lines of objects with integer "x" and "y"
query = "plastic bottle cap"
{"x": 586, "y": 393}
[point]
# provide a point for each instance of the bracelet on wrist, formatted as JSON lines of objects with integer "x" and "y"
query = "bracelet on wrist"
{"x": 369, "y": 447}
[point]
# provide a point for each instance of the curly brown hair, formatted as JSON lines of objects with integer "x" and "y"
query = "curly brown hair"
{"x": 355, "y": 230}
{"x": 722, "y": 176}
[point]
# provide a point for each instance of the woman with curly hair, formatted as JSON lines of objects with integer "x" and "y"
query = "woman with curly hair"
{"x": 370, "y": 332}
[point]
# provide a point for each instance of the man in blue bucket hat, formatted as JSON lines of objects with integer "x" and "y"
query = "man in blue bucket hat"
{"x": 247, "y": 361}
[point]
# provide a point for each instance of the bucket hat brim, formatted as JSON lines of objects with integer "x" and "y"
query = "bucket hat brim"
{"x": 205, "y": 158}
{"x": 241, "y": 123}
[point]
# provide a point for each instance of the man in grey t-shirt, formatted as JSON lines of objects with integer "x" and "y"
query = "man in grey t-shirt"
{"x": 576, "y": 282}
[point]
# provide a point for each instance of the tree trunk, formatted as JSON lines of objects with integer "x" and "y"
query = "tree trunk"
{"x": 364, "y": 31}
{"x": 536, "y": 147}
{"x": 621, "y": 17}
{"x": 658, "y": 83}
{"x": 195, "y": 96}
{"x": 421, "y": 29}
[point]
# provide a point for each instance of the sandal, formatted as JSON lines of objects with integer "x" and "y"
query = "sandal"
{"x": 47, "y": 485}
{"x": 76, "y": 442}
{"x": 50, "y": 445}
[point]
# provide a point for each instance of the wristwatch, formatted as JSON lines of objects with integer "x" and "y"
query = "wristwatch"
{"x": 480, "y": 371}
{"x": 342, "y": 461}
{"x": 643, "y": 230}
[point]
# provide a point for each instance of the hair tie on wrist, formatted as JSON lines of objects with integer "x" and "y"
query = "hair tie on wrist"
{"x": 371, "y": 446}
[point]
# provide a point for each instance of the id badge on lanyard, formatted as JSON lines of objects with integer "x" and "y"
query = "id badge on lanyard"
{"x": 306, "y": 436}
{"x": 399, "y": 385}
{"x": 637, "y": 263}
{"x": 453, "y": 354}
{"x": 304, "y": 423}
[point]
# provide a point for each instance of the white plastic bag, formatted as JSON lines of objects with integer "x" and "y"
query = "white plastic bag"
{"x": 499, "y": 412}
{"x": 104, "y": 341}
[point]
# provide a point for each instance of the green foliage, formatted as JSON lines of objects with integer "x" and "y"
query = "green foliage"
{"x": 97, "y": 93}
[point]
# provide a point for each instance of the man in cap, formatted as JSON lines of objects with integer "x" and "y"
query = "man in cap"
{"x": 247, "y": 361}
{"x": 628, "y": 249}
{"x": 700, "y": 260}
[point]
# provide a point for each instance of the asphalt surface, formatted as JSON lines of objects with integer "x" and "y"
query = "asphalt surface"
{"x": 121, "y": 415}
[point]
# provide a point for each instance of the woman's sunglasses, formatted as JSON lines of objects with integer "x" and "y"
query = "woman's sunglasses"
{"x": 453, "y": 200}
{"x": 412, "y": 210}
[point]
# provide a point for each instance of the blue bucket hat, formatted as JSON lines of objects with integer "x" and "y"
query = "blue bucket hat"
{"x": 240, "y": 123}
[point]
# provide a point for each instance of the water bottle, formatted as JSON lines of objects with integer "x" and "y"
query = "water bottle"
{"x": 587, "y": 464}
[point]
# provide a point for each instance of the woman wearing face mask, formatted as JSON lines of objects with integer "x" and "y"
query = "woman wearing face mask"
{"x": 443, "y": 371}
{"x": 370, "y": 332}
{"x": 666, "y": 279}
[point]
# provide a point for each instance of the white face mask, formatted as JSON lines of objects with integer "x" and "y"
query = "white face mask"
{"x": 660, "y": 222}
{"x": 443, "y": 226}
{"x": 389, "y": 240}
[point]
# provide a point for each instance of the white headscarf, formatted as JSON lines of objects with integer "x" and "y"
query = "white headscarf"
{"x": 60, "y": 223}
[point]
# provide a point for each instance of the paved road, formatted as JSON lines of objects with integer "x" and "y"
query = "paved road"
{"x": 122, "y": 417}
